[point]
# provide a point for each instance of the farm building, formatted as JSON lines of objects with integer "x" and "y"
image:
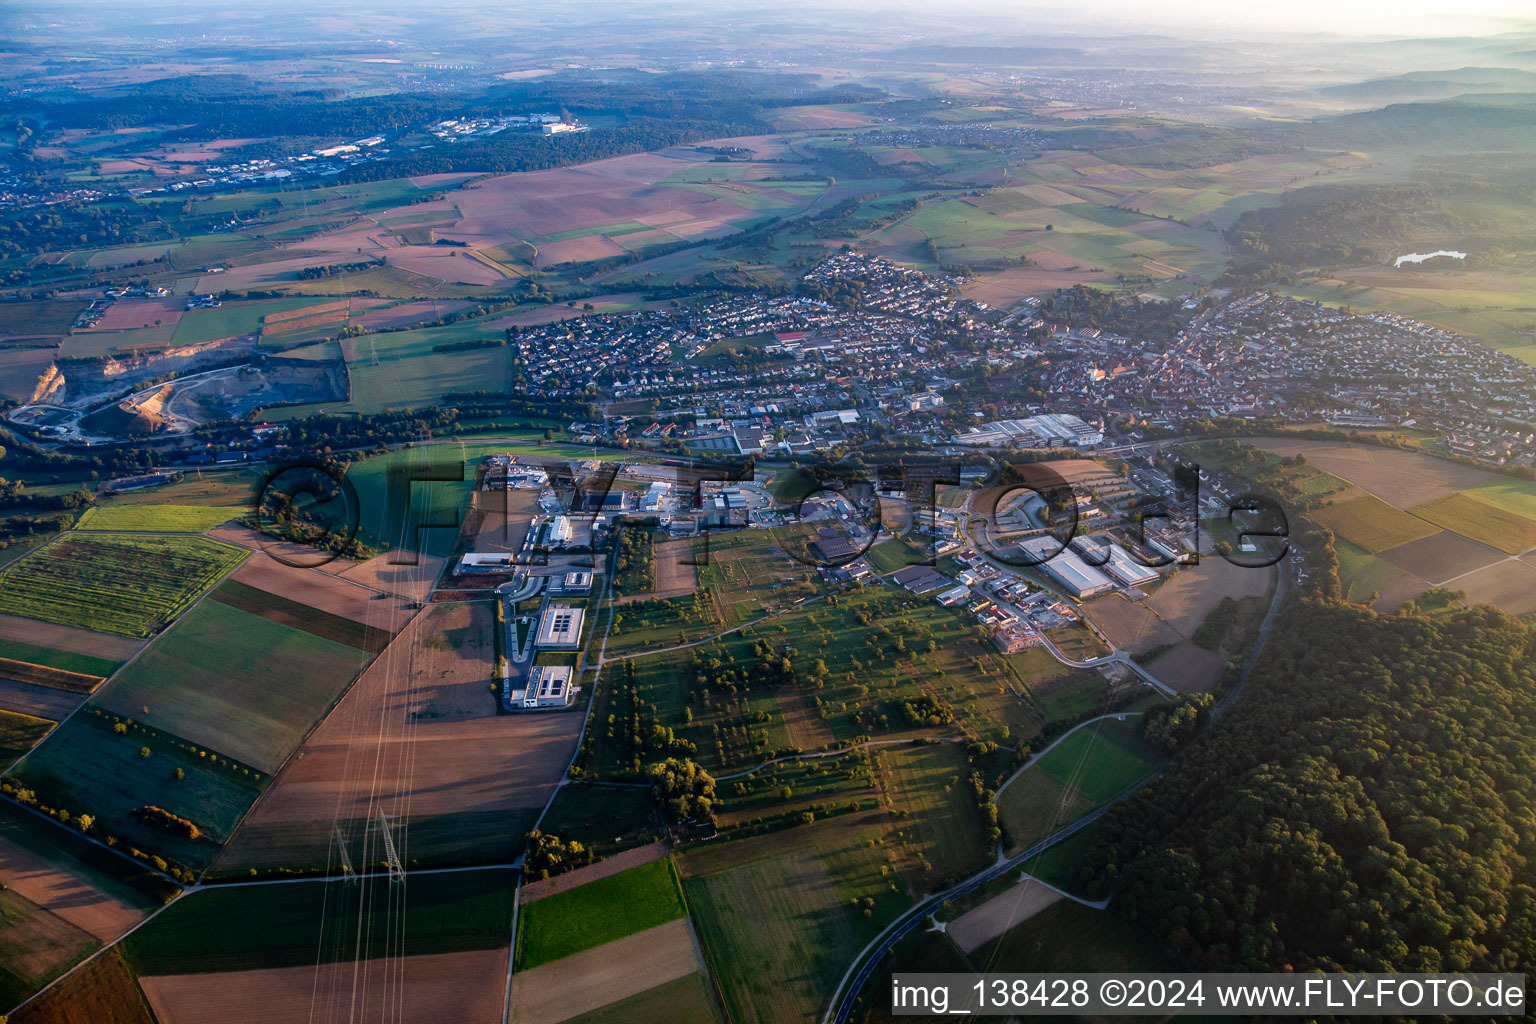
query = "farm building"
{"x": 560, "y": 627}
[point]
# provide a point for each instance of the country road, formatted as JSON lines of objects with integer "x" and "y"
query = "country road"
{"x": 869, "y": 958}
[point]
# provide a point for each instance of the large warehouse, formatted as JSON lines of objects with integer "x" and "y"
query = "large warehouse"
{"x": 1114, "y": 560}
{"x": 560, "y": 627}
{"x": 1078, "y": 577}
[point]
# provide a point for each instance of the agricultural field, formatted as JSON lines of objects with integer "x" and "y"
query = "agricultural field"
{"x": 876, "y": 653}
{"x": 1091, "y": 765}
{"x": 245, "y": 684}
{"x": 464, "y": 987}
{"x": 19, "y": 733}
{"x": 225, "y": 487}
{"x": 102, "y": 990}
{"x": 422, "y": 718}
{"x": 63, "y": 872}
{"x": 1467, "y": 514}
{"x": 35, "y": 947}
{"x": 158, "y": 518}
{"x": 86, "y": 766}
{"x": 622, "y": 972}
{"x": 1362, "y": 574}
{"x": 320, "y": 922}
{"x": 779, "y": 931}
{"x": 1372, "y": 524}
{"x": 798, "y": 902}
{"x": 1070, "y": 937}
{"x": 686, "y": 1000}
{"x": 599, "y": 912}
{"x": 1400, "y": 478}
{"x": 123, "y": 584}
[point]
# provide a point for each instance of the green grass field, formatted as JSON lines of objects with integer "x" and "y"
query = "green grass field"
{"x": 1467, "y": 514}
{"x": 1372, "y": 524}
{"x": 609, "y": 908}
{"x": 115, "y": 583}
{"x": 229, "y": 320}
{"x": 159, "y": 518}
{"x": 233, "y": 681}
{"x": 1090, "y": 766}
{"x": 1518, "y": 496}
{"x": 323, "y": 922}
{"x": 86, "y": 664}
{"x": 85, "y": 767}
{"x": 1361, "y": 573}
{"x": 896, "y": 553}
{"x": 778, "y": 934}
{"x": 226, "y": 487}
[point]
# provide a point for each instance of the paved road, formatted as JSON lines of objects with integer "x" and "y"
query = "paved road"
{"x": 853, "y": 982}
{"x": 871, "y": 956}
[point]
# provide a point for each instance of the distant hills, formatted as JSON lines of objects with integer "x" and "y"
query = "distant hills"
{"x": 1418, "y": 86}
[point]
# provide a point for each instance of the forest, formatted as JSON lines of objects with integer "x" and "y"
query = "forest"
{"x": 1369, "y": 804}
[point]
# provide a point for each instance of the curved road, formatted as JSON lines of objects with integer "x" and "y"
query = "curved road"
{"x": 858, "y": 973}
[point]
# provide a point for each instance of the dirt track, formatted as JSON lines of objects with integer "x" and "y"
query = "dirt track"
{"x": 465, "y": 988}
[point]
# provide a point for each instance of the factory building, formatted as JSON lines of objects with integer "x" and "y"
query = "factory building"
{"x": 1115, "y": 561}
{"x": 1078, "y": 577}
{"x": 560, "y": 627}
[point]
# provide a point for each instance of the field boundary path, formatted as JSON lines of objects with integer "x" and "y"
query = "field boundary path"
{"x": 1035, "y": 757}
{"x": 855, "y": 978}
{"x": 603, "y": 658}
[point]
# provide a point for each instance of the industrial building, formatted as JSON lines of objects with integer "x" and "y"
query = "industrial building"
{"x": 559, "y": 532}
{"x": 548, "y": 686}
{"x": 560, "y": 627}
{"x": 1114, "y": 560}
{"x": 654, "y": 496}
{"x": 578, "y": 582}
{"x": 485, "y": 561}
{"x": 1045, "y": 430}
{"x": 1079, "y": 578}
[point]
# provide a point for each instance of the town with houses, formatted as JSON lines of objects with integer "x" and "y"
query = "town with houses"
{"x": 801, "y": 372}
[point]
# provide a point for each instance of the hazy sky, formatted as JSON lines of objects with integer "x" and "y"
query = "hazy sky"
{"x": 1394, "y": 18}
